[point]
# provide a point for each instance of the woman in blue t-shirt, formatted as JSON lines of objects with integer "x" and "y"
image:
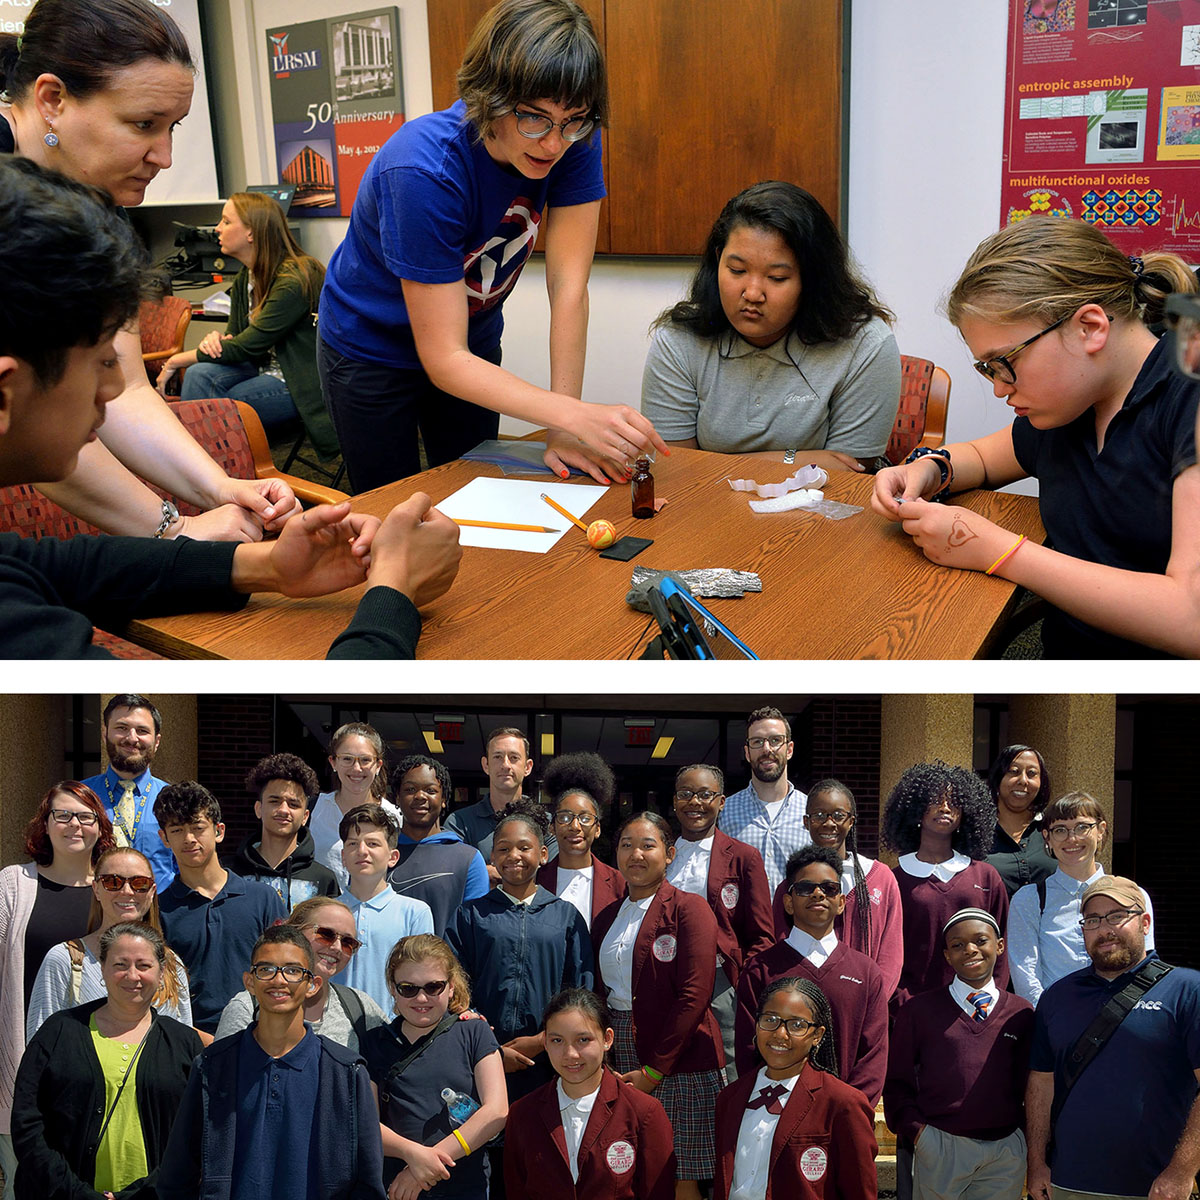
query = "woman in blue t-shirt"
{"x": 444, "y": 220}
{"x": 1102, "y": 424}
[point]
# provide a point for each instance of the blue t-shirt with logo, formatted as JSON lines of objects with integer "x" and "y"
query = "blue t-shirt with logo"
{"x": 435, "y": 207}
{"x": 1122, "y": 1119}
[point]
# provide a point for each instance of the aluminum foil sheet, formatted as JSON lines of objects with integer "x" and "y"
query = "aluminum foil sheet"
{"x": 705, "y": 582}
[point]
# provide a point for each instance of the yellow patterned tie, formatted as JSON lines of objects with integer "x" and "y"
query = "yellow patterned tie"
{"x": 125, "y": 814}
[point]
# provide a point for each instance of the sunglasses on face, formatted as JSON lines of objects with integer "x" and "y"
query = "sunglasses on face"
{"x": 331, "y": 937}
{"x": 408, "y": 990}
{"x": 137, "y": 883}
{"x": 806, "y": 887}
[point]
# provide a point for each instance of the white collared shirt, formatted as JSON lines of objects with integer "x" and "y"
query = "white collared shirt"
{"x": 689, "y": 869}
{"x": 960, "y": 991}
{"x": 515, "y": 900}
{"x": 865, "y": 865}
{"x": 615, "y": 959}
{"x": 943, "y": 871}
{"x": 752, "y": 1160}
{"x": 807, "y": 946}
{"x": 575, "y": 886}
{"x": 574, "y": 1115}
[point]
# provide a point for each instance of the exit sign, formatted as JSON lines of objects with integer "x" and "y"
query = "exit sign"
{"x": 640, "y": 735}
{"x": 449, "y": 731}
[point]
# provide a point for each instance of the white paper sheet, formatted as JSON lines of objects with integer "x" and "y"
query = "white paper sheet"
{"x": 519, "y": 502}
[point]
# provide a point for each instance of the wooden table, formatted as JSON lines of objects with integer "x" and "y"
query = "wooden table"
{"x": 855, "y": 588}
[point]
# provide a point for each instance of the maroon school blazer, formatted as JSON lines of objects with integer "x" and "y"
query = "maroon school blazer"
{"x": 824, "y": 1145}
{"x": 740, "y": 898}
{"x": 608, "y": 884}
{"x": 674, "y": 966}
{"x": 627, "y": 1151}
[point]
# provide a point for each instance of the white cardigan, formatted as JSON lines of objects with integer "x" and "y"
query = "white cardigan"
{"x": 18, "y": 891}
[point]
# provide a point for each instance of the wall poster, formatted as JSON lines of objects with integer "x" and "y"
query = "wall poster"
{"x": 336, "y": 97}
{"x": 1102, "y": 118}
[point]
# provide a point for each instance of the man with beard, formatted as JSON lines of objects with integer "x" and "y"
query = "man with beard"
{"x": 1130, "y": 1125}
{"x": 132, "y": 730}
{"x": 769, "y": 814}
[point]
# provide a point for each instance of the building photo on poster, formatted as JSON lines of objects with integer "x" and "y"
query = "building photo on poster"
{"x": 336, "y": 97}
{"x": 1102, "y": 118}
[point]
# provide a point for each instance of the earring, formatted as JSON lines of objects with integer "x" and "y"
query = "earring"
{"x": 51, "y": 138}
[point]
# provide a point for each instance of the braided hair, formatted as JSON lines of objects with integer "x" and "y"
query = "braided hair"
{"x": 862, "y": 900}
{"x": 823, "y": 1056}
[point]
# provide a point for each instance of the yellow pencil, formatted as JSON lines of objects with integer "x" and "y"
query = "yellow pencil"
{"x": 559, "y": 508}
{"x": 506, "y": 525}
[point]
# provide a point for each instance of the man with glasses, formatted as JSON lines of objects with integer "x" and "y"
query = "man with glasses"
{"x": 853, "y": 983}
{"x": 507, "y": 763}
{"x": 132, "y": 731}
{"x": 1129, "y": 1124}
{"x": 768, "y": 814}
{"x": 276, "y": 1110}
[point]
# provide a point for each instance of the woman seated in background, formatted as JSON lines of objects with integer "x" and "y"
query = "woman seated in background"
{"x": 267, "y": 356}
{"x": 342, "y": 1014}
{"x": 1101, "y": 422}
{"x": 99, "y": 1085}
{"x": 780, "y": 348}
{"x": 123, "y": 889}
{"x": 95, "y": 89}
{"x": 1020, "y": 783}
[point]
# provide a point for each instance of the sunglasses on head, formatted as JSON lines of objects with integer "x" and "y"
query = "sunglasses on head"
{"x": 137, "y": 883}
{"x": 408, "y": 990}
{"x": 331, "y": 937}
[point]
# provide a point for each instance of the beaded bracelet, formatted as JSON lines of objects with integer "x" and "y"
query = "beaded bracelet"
{"x": 941, "y": 456}
{"x": 1006, "y": 555}
{"x": 462, "y": 1141}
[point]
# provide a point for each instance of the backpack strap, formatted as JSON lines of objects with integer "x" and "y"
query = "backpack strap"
{"x": 413, "y": 1053}
{"x": 1041, "y": 890}
{"x": 353, "y": 1007}
{"x": 75, "y": 951}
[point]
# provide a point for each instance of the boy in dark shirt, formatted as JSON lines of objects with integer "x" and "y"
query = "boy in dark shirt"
{"x": 957, "y": 1070}
{"x": 211, "y": 916}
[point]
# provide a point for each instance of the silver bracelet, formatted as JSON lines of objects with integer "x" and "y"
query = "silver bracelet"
{"x": 170, "y": 514}
{"x": 789, "y": 456}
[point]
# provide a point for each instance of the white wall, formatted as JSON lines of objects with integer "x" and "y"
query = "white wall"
{"x": 926, "y": 105}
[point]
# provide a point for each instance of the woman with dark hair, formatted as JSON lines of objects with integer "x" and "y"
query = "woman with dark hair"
{"x": 100, "y": 1084}
{"x": 794, "y": 1128}
{"x": 1099, "y": 412}
{"x": 939, "y": 820}
{"x": 871, "y": 922}
{"x": 581, "y": 788}
{"x": 618, "y": 1140}
{"x": 123, "y": 889}
{"x": 445, "y": 218}
{"x": 1020, "y": 783}
{"x": 94, "y": 89}
{"x": 656, "y": 957}
{"x": 267, "y": 356}
{"x": 780, "y": 347}
{"x": 41, "y": 902}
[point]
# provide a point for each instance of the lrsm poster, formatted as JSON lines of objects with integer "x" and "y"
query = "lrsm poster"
{"x": 336, "y": 97}
{"x": 1102, "y": 118}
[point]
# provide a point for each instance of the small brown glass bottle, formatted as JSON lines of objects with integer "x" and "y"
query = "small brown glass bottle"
{"x": 641, "y": 488}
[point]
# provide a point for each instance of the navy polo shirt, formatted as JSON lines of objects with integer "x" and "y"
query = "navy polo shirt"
{"x": 1122, "y": 1119}
{"x": 215, "y": 937}
{"x": 276, "y": 1102}
{"x": 1113, "y": 506}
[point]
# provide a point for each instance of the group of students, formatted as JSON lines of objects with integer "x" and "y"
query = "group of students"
{"x": 580, "y": 1020}
{"x": 779, "y": 348}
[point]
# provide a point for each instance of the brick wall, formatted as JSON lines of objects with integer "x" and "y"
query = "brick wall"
{"x": 234, "y": 733}
{"x": 841, "y": 739}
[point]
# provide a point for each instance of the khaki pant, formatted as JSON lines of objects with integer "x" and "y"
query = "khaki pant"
{"x": 947, "y": 1167}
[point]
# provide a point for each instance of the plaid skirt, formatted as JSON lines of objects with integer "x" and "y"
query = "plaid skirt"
{"x": 688, "y": 1099}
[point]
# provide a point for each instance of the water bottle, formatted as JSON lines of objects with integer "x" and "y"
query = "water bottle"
{"x": 459, "y": 1106}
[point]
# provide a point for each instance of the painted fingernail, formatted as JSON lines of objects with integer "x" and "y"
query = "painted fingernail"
{"x": 564, "y": 474}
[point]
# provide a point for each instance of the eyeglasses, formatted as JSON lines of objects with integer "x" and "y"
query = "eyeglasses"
{"x": 774, "y": 742}
{"x": 535, "y": 125}
{"x": 408, "y": 990}
{"x": 564, "y": 818}
{"x": 1060, "y": 833}
{"x": 1183, "y": 320}
{"x": 64, "y": 816}
{"x": 331, "y": 937}
{"x": 1117, "y": 917}
{"x": 704, "y": 795}
{"x": 1001, "y": 368}
{"x": 797, "y": 1026}
{"x": 950, "y": 802}
{"x": 114, "y": 883}
{"x": 346, "y": 761}
{"x": 293, "y": 972}
{"x": 806, "y": 887}
{"x": 838, "y": 818}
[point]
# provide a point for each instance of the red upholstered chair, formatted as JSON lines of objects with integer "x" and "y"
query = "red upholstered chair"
{"x": 162, "y": 325}
{"x": 921, "y": 417}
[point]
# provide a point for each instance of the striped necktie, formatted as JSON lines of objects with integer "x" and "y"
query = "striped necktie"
{"x": 982, "y": 1002}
